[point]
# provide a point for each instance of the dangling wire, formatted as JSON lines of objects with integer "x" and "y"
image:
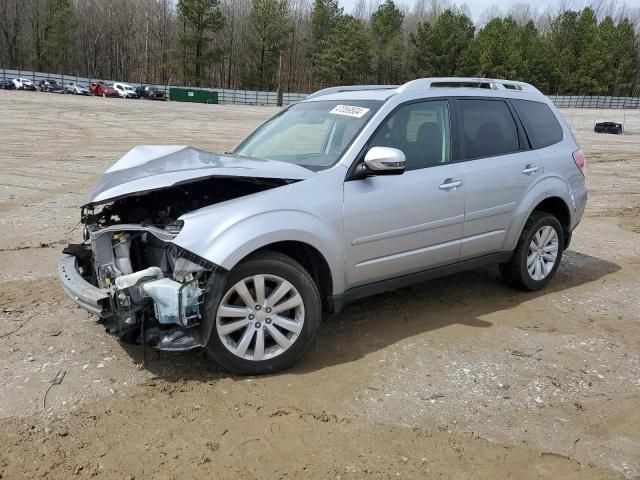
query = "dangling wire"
{"x": 143, "y": 364}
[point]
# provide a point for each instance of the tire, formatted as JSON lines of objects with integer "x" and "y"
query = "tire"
{"x": 517, "y": 272}
{"x": 295, "y": 328}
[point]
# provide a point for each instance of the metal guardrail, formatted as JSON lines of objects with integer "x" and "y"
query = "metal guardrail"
{"x": 261, "y": 98}
{"x": 240, "y": 97}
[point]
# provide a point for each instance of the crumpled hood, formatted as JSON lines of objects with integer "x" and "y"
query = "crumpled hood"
{"x": 152, "y": 167}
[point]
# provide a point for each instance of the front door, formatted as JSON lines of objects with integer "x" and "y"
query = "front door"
{"x": 395, "y": 225}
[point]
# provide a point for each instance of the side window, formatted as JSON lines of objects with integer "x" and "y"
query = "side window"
{"x": 488, "y": 128}
{"x": 539, "y": 121}
{"x": 421, "y": 131}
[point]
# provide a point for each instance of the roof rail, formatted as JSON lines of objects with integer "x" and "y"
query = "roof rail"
{"x": 350, "y": 88}
{"x": 471, "y": 82}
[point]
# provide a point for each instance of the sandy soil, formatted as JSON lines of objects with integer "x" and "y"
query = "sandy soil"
{"x": 420, "y": 383}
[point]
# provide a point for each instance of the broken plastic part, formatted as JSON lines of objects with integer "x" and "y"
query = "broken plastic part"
{"x": 184, "y": 267}
{"x": 178, "y": 340}
{"x": 122, "y": 256}
{"x": 131, "y": 280}
{"x": 174, "y": 302}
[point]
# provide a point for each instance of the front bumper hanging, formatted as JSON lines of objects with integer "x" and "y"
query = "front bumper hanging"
{"x": 98, "y": 301}
{"x": 91, "y": 298}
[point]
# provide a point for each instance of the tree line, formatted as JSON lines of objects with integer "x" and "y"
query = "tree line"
{"x": 303, "y": 45}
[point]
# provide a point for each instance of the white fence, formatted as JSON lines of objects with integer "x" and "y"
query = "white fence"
{"x": 252, "y": 97}
{"x": 242, "y": 97}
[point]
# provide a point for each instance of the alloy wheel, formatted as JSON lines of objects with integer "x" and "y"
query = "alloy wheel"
{"x": 543, "y": 253}
{"x": 260, "y": 317}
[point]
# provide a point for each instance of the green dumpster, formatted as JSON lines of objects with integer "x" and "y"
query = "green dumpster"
{"x": 193, "y": 95}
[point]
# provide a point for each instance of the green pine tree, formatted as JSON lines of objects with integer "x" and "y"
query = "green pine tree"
{"x": 386, "y": 30}
{"x": 346, "y": 57}
{"x": 270, "y": 30}
{"x": 438, "y": 48}
{"x": 58, "y": 34}
{"x": 324, "y": 18}
{"x": 199, "y": 19}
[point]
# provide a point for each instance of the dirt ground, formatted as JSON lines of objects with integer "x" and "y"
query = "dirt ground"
{"x": 456, "y": 378}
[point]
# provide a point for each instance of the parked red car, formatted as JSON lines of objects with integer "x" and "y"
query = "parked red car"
{"x": 103, "y": 89}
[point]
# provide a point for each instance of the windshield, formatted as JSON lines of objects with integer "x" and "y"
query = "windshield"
{"x": 310, "y": 134}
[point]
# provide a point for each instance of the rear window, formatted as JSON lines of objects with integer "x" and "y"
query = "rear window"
{"x": 540, "y": 123}
{"x": 488, "y": 128}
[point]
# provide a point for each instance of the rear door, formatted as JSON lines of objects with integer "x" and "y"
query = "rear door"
{"x": 399, "y": 224}
{"x": 499, "y": 167}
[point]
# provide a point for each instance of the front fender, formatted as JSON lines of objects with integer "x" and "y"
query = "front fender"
{"x": 227, "y": 243}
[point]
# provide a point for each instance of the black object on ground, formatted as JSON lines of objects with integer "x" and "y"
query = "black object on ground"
{"x": 608, "y": 127}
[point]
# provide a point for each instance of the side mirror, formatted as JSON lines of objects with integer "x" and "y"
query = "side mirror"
{"x": 384, "y": 161}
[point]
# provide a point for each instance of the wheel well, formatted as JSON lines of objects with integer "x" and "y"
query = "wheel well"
{"x": 312, "y": 261}
{"x": 559, "y": 209}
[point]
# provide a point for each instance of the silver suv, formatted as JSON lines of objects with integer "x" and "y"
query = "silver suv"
{"x": 353, "y": 192}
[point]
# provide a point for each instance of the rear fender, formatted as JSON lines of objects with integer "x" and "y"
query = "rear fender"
{"x": 550, "y": 186}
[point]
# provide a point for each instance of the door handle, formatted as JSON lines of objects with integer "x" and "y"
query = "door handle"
{"x": 529, "y": 169}
{"x": 450, "y": 183}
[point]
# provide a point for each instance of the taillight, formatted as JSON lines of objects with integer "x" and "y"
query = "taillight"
{"x": 578, "y": 157}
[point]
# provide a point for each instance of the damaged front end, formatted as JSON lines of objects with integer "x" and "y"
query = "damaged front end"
{"x": 142, "y": 286}
{"x": 145, "y": 288}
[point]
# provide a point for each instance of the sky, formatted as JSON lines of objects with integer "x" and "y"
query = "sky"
{"x": 477, "y": 7}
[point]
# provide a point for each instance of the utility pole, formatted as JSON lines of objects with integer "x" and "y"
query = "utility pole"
{"x": 279, "y": 101}
{"x": 146, "y": 46}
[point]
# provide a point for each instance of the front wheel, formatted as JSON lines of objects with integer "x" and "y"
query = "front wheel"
{"x": 267, "y": 317}
{"x": 537, "y": 254}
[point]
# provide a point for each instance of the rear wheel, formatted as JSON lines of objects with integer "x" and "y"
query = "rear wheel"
{"x": 267, "y": 317}
{"x": 537, "y": 255}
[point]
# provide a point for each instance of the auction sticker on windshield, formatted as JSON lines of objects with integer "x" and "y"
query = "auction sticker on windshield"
{"x": 349, "y": 110}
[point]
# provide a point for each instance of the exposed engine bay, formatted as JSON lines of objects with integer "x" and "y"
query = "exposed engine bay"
{"x": 154, "y": 290}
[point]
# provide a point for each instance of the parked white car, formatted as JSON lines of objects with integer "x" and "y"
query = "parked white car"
{"x": 125, "y": 90}
{"x": 24, "y": 84}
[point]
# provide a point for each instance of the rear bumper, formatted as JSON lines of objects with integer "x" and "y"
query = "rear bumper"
{"x": 87, "y": 296}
